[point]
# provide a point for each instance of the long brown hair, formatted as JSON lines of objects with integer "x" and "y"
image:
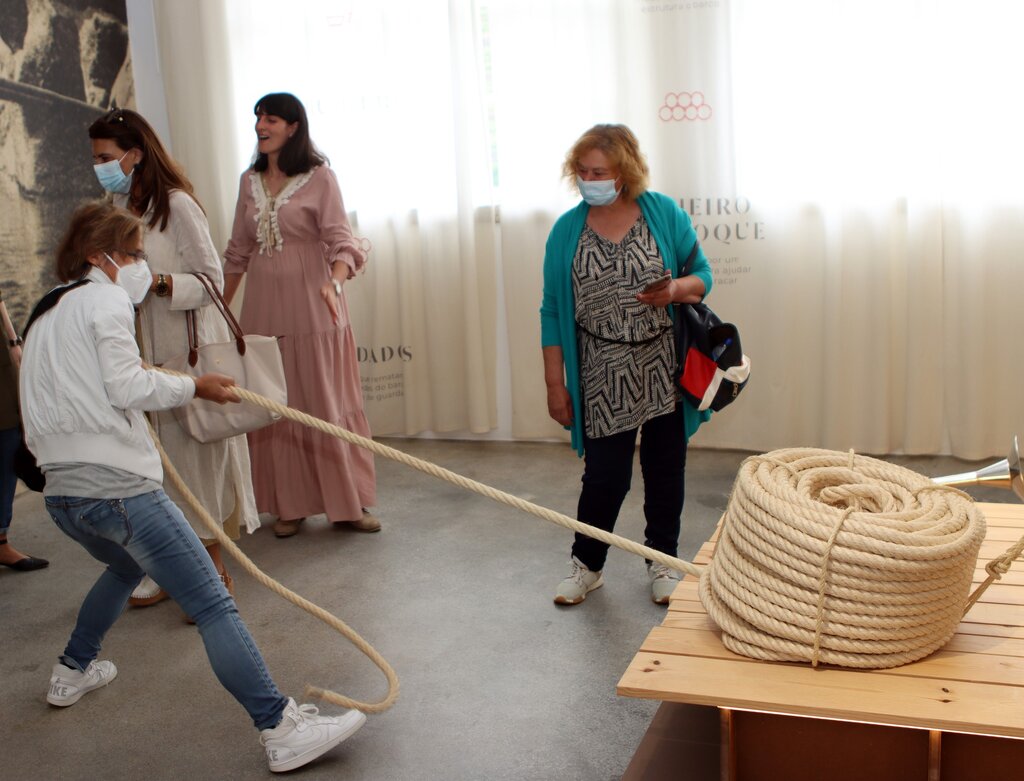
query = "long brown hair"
{"x": 96, "y": 226}
{"x": 156, "y": 174}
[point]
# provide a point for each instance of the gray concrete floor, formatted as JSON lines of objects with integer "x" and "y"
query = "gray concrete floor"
{"x": 496, "y": 681}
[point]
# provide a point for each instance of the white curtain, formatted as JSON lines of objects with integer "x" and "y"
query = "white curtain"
{"x": 197, "y": 77}
{"x": 878, "y": 140}
{"x": 392, "y": 93}
{"x": 849, "y": 167}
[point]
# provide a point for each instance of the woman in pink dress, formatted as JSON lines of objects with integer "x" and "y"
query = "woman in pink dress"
{"x": 292, "y": 237}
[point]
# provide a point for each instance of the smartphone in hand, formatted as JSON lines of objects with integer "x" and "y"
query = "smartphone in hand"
{"x": 658, "y": 284}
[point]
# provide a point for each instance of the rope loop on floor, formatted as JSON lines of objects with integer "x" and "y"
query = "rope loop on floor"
{"x": 333, "y": 621}
{"x": 247, "y": 564}
{"x": 827, "y": 557}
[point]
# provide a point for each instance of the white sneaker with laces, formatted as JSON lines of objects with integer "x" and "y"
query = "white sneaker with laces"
{"x": 67, "y": 686}
{"x": 581, "y": 581}
{"x": 663, "y": 582}
{"x": 303, "y": 735}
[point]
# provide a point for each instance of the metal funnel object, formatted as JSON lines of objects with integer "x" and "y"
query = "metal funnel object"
{"x": 1002, "y": 474}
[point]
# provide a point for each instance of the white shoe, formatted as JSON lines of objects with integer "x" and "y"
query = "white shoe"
{"x": 67, "y": 686}
{"x": 302, "y": 735}
{"x": 581, "y": 581}
{"x": 663, "y": 582}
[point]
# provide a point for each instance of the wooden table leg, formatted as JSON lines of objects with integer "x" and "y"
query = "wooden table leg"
{"x": 934, "y": 754}
{"x": 727, "y": 746}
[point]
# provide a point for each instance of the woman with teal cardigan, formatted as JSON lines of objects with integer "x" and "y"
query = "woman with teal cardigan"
{"x": 613, "y": 266}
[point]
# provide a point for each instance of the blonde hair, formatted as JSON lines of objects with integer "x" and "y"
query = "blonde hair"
{"x": 622, "y": 150}
{"x": 96, "y": 226}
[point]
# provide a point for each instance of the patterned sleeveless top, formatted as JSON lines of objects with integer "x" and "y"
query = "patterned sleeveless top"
{"x": 627, "y": 350}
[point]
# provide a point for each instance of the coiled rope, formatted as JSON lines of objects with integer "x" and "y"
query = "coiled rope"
{"x": 824, "y": 557}
{"x": 840, "y": 559}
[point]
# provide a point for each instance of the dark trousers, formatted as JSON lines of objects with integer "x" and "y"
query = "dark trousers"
{"x": 608, "y": 472}
{"x": 10, "y": 438}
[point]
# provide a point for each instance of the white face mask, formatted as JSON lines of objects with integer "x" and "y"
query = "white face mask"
{"x": 135, "y": 278}
{"x": 598, "y": 193}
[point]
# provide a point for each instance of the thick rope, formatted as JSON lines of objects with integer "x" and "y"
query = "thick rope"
{"x": 331, "y": 620}
{"x": 416, "y": 463}
{"x": 825, "y": 557}
{"x": 297, "y": 416}
{"x": 866, "y": 564}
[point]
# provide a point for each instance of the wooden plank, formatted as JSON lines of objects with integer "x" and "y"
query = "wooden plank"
{"x": 1004, "y": 534}
{"x": 1015, "y": 577}
{"x": 969, "y": 636}
{"x": 991, "y": 549}
{"x": 983, "y": 630}
{"x": 958, "y": 664}
{"x": 828, "y": 693}
{"x": 986, "y": 613}
{"x": 1008, "y": 511}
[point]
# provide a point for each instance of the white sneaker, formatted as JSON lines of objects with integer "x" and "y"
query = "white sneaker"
{"x": 663, "y": 582}
{"x": 581, "y": 581}
{"x": 67, "y": 686}
{"x": 303, "y": 735}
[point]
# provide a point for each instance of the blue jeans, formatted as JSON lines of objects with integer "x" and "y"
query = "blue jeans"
{"x": 10, "y": 438}
{"x": 148, "y": 534}
{"x": 607, "y": 475}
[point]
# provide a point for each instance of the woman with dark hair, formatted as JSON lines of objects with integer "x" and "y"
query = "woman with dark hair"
{"x": 84, "y": 389}
{"x": 132, "y": 164}
{"x": 292, "y": 238}
{"x": 613, "y": 266}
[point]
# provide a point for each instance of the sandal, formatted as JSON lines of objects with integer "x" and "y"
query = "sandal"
{"x": 148, "y": 592}
{"x": 368, "y": 523}
{"x": 284, "y": 528}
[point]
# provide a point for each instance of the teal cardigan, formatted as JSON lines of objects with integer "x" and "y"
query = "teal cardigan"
{"x": 674, "y": 234}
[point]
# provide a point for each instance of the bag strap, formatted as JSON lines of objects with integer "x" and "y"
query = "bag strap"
{"x": 683, "y": 272}
{"x": 48, "y": 302}
{"x": 225, "y": 311}
{"x": 193, "y": 337}
{"x": 690, "y": 258}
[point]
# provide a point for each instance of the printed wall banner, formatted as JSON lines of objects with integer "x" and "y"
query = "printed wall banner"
{"x": 382, "y": 373}
{"x": 61, "y": 65}
{"x": 662, "y": 7}
{"x": 683, "y": 106}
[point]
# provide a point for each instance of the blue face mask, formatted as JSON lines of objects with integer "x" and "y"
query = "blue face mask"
{"x": 112, "y": 178}
{"x": 599, "y": 193}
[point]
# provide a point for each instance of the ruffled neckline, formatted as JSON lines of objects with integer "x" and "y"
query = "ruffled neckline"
{"x": 268, "y": 233}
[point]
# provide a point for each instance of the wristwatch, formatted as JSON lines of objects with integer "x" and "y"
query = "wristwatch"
{"x": 15, "y": 342}
{"x": 337, "y": 286}
{"x": 161, "y": 288}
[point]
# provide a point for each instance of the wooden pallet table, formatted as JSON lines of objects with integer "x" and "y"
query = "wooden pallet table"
{"x": 957, "y": 715}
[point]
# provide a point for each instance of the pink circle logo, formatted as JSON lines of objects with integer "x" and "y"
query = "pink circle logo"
{"x": 684, "y": 106}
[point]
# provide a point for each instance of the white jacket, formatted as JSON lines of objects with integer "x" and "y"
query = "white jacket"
{"x": 83, "y": 386}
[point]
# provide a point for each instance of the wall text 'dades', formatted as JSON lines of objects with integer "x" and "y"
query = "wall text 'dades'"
{"x": 402, "y": 352}
{"x": 723, "y": 219}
